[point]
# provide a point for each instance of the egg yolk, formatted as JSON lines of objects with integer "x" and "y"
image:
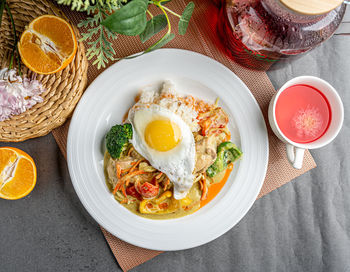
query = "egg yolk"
{"x": 162, "y": 135}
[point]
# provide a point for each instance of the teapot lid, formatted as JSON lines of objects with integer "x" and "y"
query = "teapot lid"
{"x": 312, "y": 7}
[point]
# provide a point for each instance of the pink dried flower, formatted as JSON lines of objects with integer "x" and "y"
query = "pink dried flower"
{"x": 16, "y": 94}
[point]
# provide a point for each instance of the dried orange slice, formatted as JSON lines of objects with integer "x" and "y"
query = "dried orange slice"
{"x": 17, "y": 173}
{"x": 47, "y": 45}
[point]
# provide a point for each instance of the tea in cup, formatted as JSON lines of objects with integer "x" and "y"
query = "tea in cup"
{"x": 306, "y": 113}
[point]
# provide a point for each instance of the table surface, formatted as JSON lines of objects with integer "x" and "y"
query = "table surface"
{"x": 302, "y": 226}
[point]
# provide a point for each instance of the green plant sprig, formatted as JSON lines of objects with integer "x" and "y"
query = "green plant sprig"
{"x": 131, "y": 20}
{"x": 4, "y": 5}
{"x": 108, "y": 18}
{"x": 100, "y": 48}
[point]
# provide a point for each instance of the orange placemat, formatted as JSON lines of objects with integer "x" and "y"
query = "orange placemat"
{"x": 200, "y": 37}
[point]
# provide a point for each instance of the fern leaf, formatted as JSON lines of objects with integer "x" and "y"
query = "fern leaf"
{"x": 98, "y": 38}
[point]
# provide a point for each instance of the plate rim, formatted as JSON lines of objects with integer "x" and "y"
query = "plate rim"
{"x": 224, "y": 230}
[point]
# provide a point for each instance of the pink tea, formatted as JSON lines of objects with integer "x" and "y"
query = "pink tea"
{"x": 302, "y": 113}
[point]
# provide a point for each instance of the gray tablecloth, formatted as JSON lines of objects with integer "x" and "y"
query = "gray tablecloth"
{"x": 302, "y": 226}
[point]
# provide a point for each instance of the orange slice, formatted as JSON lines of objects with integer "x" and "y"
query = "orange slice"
{"x": 17, "y": 173}
{"x": 47, "y": 45}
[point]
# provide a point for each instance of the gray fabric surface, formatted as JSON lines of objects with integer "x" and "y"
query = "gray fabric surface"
{"x": 302, "y": 226}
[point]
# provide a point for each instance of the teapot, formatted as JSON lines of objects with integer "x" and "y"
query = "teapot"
{"x": 258, "y": 33}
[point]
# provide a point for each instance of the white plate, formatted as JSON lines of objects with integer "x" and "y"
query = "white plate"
{"x": 105, "y": 103}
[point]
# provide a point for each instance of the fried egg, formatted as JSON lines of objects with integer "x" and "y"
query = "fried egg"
{"x": 166, "y": 141}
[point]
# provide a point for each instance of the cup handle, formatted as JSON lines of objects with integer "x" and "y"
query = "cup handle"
{"x": 295, "y": 156}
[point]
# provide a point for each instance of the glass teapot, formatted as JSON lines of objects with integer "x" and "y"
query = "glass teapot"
{"x": 257, "y": 33}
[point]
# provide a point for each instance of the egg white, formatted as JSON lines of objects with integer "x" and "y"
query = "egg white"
{"x": 178, "y": 163}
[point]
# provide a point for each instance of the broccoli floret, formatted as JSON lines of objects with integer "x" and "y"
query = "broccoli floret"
{"x": 227, "y": 153}
{"x": 117, "y": 139}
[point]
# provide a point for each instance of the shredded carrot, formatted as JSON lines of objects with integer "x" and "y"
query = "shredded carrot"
{"x": 201, "y": 184}
{"x": 126, "y": 178}
{"x": 130, "y": 150}
{"x": 124, "y": 192}
{"x": 127, "y": 182}
{"x": 205, "y": 189}
{"x": 116, "y": 188}
{"x": 119, "y": 171}
{"x": 159, "y": 175}
{"x": 166, "y": 183}
{"x": 131, "y": 174}
{"x": 125, "y": 170}
{"x": 130, "y": 169}
{"x": 134, "y": 166}
{"x": 124, "y": 201}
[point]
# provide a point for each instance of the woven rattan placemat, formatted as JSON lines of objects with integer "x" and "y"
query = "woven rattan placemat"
{"x": 63, "y": 89}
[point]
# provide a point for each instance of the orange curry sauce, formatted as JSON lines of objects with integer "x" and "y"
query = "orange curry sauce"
{"x": 215, "y": 188}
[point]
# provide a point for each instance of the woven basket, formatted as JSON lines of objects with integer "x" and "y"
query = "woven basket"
{"x": 63, "y": 89}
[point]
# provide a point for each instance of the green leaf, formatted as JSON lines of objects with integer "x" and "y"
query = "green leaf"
{"x": 156, "y": 24}
{"x": 163, "y": 41}
{"x": 129, "y": 20}
{"x": 185, "y": 18}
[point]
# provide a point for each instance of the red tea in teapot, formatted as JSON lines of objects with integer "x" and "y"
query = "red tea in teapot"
{"x": 258, "y": 32}
{"x": 302, "y": 113}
